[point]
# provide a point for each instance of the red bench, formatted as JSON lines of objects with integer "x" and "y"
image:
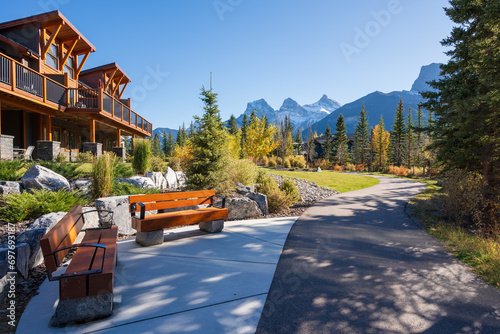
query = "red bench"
{"x": 86, "y": 287}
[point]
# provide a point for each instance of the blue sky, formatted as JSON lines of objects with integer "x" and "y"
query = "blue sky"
{"x": 254, "y": 48}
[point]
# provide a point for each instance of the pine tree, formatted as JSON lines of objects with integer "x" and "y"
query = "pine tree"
{"x": 171, "y": 144}
{"x": 233, "y": 126}
{"x": 179, "y": 141}
{"x": 244, "y": 132}
{"x": 409, "y": 151}
{"x": 327, "y": 146}
{"x": 164, "y": 145}
{"x": 156, "y": 145}
{"x": 298, "y": 142}
{"x": 340, "y": 148}
{"x": 192, "y": 130}
{"x": 210, "y": 156}
{"x": 398, "y": 136}
{"x": 380, "y": 143}
{"x": 419, "y": 136}
{"x": 362, "y": 138}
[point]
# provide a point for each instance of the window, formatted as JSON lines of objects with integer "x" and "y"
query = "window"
{"x": 52, "y": 58}
{"x": 56, "y": 134}
{"x": 109, "y": 144}
{"x": 70, "y": 140}
{"x": 69, "y": 67}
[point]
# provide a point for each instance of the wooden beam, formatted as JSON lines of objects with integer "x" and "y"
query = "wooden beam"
{"x": 118, "y": 137}
{"x": 42, "y": 41}
{"x": 48, "y": 126}
{"x": 0, "y": 118}
{"x": 117, "y": 86}
{"x": 54, "y": 23}
{"x": 123, "y": 89}
{"x": 68, "y": 54}
{"x": 46, "y": 47}
{"x": 92, "y": 130}
{"x": 110, "y": 79}
{"x": 77, "y": 74}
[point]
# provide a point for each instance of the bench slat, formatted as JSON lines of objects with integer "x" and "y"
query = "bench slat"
{"x": 171, "y": 219}
{"x": 76, "y": 287}
{"x": 101, "y": 284}
{"x": 170, "y": 196}
{"x": 175, "y": 204}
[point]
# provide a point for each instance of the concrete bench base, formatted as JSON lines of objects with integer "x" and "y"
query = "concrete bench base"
{"x": 156, "y": 237}
{"x": 82, "y": 310}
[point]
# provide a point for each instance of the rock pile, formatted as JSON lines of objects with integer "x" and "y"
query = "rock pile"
{"x": 309, "y": 191}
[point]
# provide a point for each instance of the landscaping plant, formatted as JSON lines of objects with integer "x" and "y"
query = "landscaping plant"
{"x": 103, "y": 175}
{"x": 142, "y": 156}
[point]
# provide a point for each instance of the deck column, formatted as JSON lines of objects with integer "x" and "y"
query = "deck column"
{"x": 0, "y": 118}
{"x": 118, "y": 137}
{"x": 92, "y": 130}
{"x": 48, "y": 125}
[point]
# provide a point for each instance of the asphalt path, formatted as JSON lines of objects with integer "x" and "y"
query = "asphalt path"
{"x": 357, "y": 263}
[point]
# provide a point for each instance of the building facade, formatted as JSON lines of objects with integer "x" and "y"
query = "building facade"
{"x": 48, "y": 101}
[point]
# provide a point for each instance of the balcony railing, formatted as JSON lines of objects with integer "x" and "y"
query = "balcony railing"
{"x": 45, "y": 89}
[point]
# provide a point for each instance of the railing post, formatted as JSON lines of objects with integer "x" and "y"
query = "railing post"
{"x": 44, "y": 89}
{"x": 100, "y": 97}
{"x": 13, "y": 74}
{"x": 112, "y": 107}
{"x": 121, "y": 112}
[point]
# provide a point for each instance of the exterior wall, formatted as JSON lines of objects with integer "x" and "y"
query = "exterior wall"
{"x": 6, "y": 147}
{"x": 12, "y": 125}
{"x": 26, "y": 35}
{"x": 47, "y": 150}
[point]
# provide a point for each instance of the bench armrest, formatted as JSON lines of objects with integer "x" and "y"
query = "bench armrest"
{"x": 134, "y": 208}
{"x": 95, "y": 271}
{"x": 223, "y": 200}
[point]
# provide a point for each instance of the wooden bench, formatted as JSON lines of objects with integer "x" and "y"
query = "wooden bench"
{"x": 86, "y": 287}
{"x": 150, "y": 227}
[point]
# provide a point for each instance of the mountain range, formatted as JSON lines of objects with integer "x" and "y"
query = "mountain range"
{"x": 326, "y": 110}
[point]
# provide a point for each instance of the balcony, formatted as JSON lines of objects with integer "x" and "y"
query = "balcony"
{"x": 26, "y": 83}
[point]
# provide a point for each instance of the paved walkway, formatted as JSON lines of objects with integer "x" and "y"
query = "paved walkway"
{"x": 193, "y": 283}
{"x": 355, "y": 263}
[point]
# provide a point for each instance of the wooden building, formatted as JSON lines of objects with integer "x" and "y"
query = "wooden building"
{"x": 47, "y": 101}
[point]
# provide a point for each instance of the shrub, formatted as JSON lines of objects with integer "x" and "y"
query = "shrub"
{"x": 360, "y": 168}
{"x": 158, "y": 165}
{"x": 291, "y": 192}
{"x": 277, "y": 200}
{"x": 124, "y": 188}
{"x": 286, "y": 163}
{"x": 142, "y": 156}
{"x": 67, "y": 169}
{"x": 85, "y": 157}
{"x": 61, "y": 158}
{"x": 299, "y": 161}
{"x": 350, "y": 167}
{"x": 464, "y": 201}
{"x": 124, "y": 170}
{"x": 243, "y": 171}
{"x": 175, "y": 164}
{"x": 264, "y": 160}
{"x": 271, "y": 163}
{"x": 11, "y": 170}
{"x": 338, "y": 168}
{"x": 24, "y": 206}
{"x": 103, "y": 175}
{"x": 279, "y": 161}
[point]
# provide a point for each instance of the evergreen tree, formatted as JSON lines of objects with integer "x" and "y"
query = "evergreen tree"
{"x": 409, "y": 141}
{"x": 419, "y": 136}
{"x": 362, "y": 138}
{"x": 179, "y": 141}
{"x": 192, "y": 130}
{"x": 310, "y": 145}
{"x": 298, "y": 142}
{"x": 171, "y": 144}
{"x": 244, "y": 132}
{"x": 210, "y": 156}
{"x": 327, "y": 146}
{"x": 380, "y": 143}
{"x": 398, "y": 136}
{"x": 340, "y": 148}
{"x": 164, "y": 143}
{"x": 233, "y": 126}
{"x": 156, "y": 145}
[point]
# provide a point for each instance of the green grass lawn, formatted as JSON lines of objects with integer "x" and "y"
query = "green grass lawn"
{"x": 339, "y": 181}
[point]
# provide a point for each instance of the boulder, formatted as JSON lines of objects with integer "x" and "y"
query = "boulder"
{"x": 139, "y": 181}
{"x": 261, "y": 201}
{"x": 158, "y": 179}
{"x": 171, "y": 178}
{"x": 242, "y": 208}
{"x": 47, "y": 221}
{"x": 32, "y": 239}
{"x": 82, "y": 186}
{"x": 10, "y": 187}
{"x": 38, "y": 177}
{"x": 181, "y": 179}
{"x": 318, "y": 170}
{"x": 242, "y": 189}
{"x": 22, "y": 256}
{"x": 121, "y": 215}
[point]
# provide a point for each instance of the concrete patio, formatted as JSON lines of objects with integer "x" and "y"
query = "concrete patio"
{"x": 193, "y": 283}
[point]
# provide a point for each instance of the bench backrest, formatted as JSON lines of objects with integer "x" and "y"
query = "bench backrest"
{"x": 61, "y": 235}
{"x": 171, "y": 200}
